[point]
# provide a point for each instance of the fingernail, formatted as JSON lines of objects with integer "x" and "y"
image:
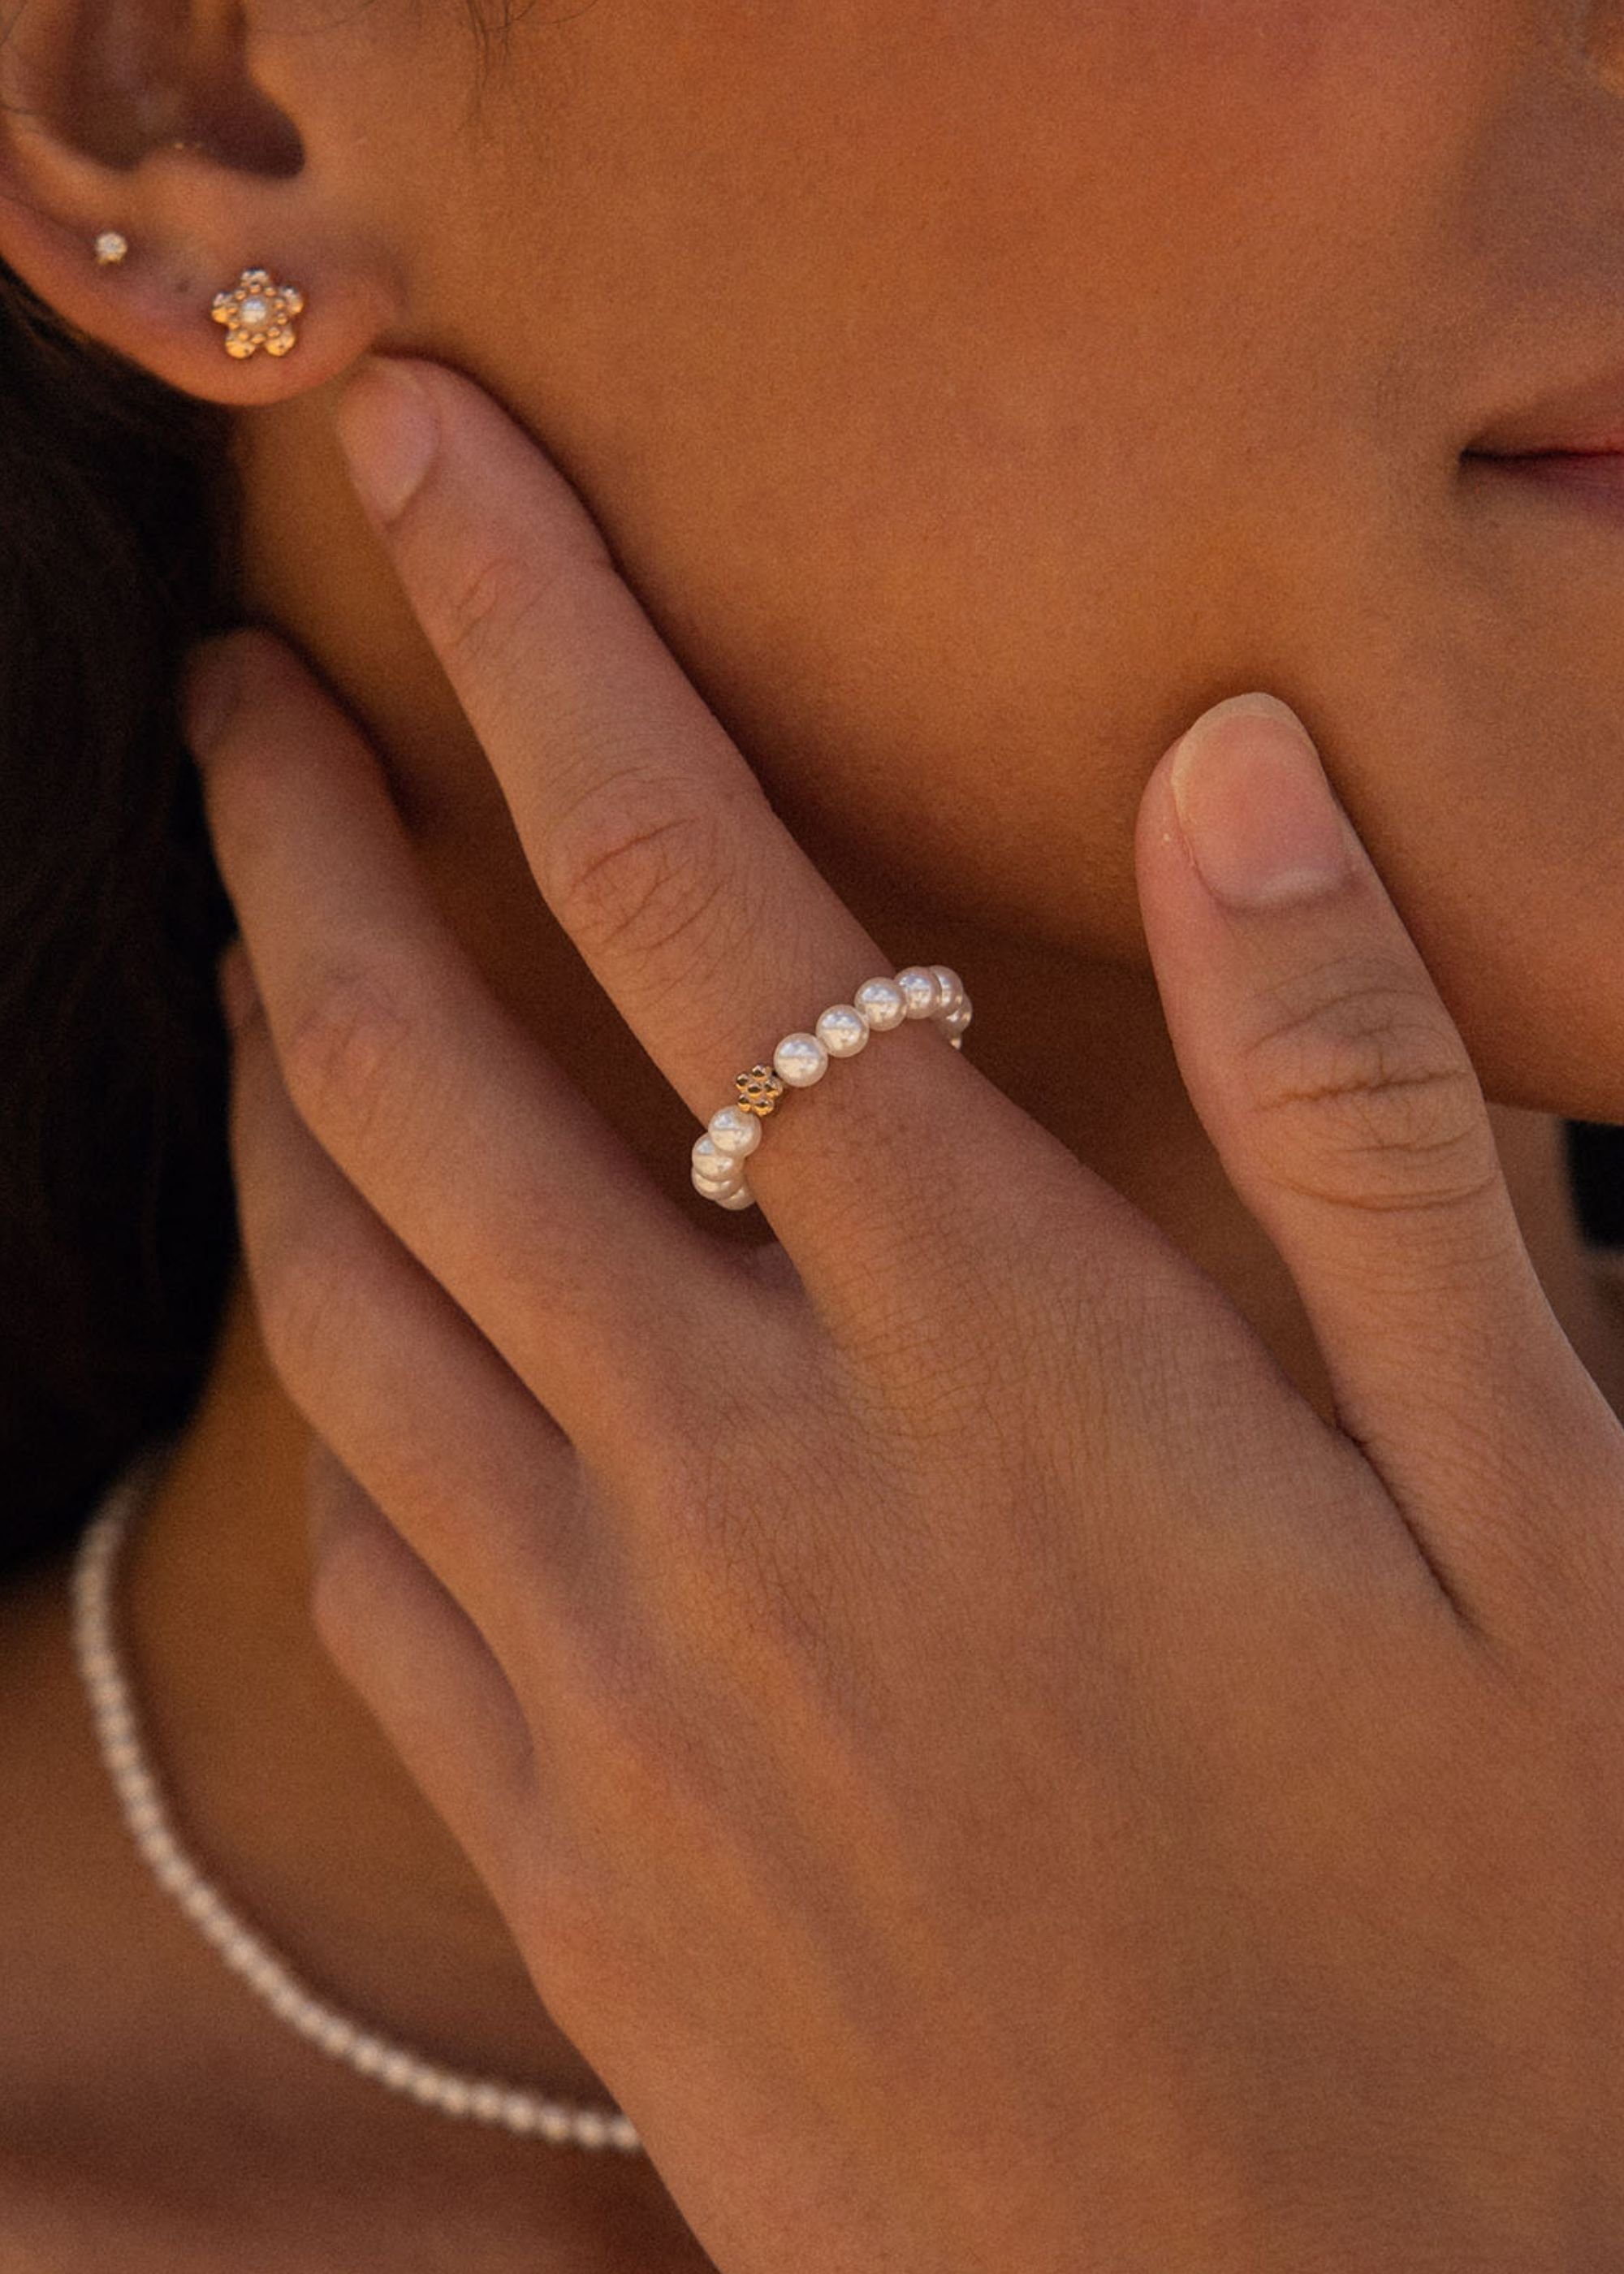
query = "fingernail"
{"x": 388, "y": 432}
{"x": 208, "y": 694}
{"x": 239, "y": 994}
{"x": 1262, "y": 822}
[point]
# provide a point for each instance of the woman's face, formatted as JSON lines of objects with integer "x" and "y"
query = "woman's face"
{"x": 975, "y": 390}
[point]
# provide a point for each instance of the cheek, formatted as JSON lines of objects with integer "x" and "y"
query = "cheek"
{"x": 824, "y": 272}
{"x": 973, "y": 404}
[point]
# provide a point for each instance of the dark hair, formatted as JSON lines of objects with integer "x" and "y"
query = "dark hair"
{"x": 116, "y": 1219}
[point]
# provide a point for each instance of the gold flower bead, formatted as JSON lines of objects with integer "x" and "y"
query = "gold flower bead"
{"x": 759, "y": 1090}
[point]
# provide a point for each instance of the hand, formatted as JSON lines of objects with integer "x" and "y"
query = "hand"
{"x": 986, "y": 1774}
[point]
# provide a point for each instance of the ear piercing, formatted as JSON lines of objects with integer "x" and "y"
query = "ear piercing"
{"x": 257, "y": 313}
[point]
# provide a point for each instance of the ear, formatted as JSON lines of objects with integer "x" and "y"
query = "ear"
{"x": 164, "y": 121}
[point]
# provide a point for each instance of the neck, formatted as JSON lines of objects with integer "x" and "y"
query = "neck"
{"x": 299, "y": 1804}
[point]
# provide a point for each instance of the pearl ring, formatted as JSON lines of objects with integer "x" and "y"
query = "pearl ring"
{"x": 924, "y": 991}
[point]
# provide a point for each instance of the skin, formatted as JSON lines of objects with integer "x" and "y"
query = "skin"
{"x": 883, "y": 537}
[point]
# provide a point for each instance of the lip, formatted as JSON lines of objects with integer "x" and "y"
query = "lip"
{"x": 1592, "y": 477}
{"x": 1569, "y": 445}
{"x": 1581, "y": 421}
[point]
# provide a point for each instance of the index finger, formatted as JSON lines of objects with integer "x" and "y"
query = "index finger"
{"x": 649, "y": 836}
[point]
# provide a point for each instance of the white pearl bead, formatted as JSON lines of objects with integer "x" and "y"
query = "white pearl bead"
{"x": 948, "y": 985}
{"x": 959, "y": 1019}
{"x": 517, "y": 2112}
{"x": 734, "y": 1131}
{"x": 715, "y": 1170}
{"x": 881, "y": 1003}
{"x": 168, "y": 1865}
{"x": 842, "y": 1030}
{"x": 706, "y": 1153}
{"x": 623, "y": 2132}
{"x": 741, "y": 1197}
{"x": 555, "y": 2124}
{"x": 591, "y": 2129}
{"x": 716, "y": 1187}
{"x": 800, "y": 1060}
{"x": 919, "y": 990}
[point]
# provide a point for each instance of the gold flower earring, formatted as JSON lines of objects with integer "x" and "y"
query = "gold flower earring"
{"x": 257, "y": 313}
{"x": 110, "y": 248}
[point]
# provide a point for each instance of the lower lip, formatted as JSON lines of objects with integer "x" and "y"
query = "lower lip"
{"x": 1594, "y": 477}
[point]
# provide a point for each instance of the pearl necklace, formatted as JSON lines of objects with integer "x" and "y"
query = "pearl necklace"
{"x": 485, "y": 2100}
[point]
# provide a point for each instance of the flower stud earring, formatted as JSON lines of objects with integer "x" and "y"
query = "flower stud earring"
{"x": 110, "y": 248}
{"x": 257, "y": 313}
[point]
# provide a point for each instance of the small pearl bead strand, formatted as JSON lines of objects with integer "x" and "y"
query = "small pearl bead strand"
{"x": 924, "y": 991}
{"x": 484, "y": 2100}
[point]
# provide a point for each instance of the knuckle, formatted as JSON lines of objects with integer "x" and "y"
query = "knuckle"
{"x": 1363, "y": 1092}
{"x": 240, "y": 788}
{"x": 589, "y": 1931}
{"x": 494, "y": 594}
{"x": 615, "y": 1704}
{"x": 711, "y": 1495}
{"x": 613, "y": 1695}
{"x": 302, "y": 1290}
{"x": 490, "y": 601}
{"x": 927, "y": 1364}
{"x": 344, "y": 1582}
{"x": 637, "y": 869}
{"x": 343, "y": 1047}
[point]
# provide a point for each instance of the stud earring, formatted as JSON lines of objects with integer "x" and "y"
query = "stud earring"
{"x": 110, "y": 248}
{"x": 257, "y": 313}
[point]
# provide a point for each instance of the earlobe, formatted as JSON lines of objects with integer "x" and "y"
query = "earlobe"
{"x": 184, "y": 258}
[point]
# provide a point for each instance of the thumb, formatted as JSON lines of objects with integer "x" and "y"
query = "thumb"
{"x": 1348, "y": 1115}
